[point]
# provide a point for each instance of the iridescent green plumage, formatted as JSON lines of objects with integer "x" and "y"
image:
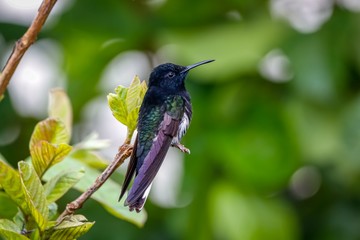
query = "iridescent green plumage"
{"x": 150, "y": 120}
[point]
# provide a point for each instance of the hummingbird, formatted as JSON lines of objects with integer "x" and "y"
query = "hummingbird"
{"x": 164, "y": 118}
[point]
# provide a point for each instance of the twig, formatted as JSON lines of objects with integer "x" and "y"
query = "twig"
{"x": 24, "y": 43}
{"x": 124, "y": 152}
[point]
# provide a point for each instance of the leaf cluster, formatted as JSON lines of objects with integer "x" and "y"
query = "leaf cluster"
{"x": 49, "y": 145}
{"x": 125, "y": 104}
{"x": 30, "y": 192}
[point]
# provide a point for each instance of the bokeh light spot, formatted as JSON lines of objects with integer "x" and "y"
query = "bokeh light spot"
{"x": 305, "y": 182}
{"x": 304, "y": 15}
{"x": 275, "y": 67}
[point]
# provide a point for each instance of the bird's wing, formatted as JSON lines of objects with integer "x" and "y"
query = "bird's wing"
{"x": 152, "y": 162}
{"x": 130, "y": 170}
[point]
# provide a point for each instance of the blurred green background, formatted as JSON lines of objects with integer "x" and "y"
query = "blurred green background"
{"x": 275, "y": 136}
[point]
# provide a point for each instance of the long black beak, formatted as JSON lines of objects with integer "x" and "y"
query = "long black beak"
{"x": 187, "y": 68}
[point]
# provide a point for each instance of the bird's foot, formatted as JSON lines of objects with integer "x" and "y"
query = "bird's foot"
{"x": 181, "y": 147}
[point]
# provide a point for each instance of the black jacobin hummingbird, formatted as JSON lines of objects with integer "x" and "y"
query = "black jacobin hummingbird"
{"x": 164, "y": 118}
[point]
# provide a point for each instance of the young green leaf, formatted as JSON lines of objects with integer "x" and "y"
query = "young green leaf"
{"x": 133, "y": 95}
{"x": 11, "y": 183}
{"x": 44, "y": 155}
{"x": 71, "y": 228}
{"x": 134, "y": 99}
{"x": 57, "y": 186}
{"x": 48, "y": 144}
{"x": 117, "y": 104}
{"x": 50, "y": 130}
{"x": 143, "y": 90}
{"x": 9, "y": 230}
{"x": 34, "y": 194}
{"x": 132, "y": 119}
{"x": 60, "y": 107}
{"x": 126, "y": 102}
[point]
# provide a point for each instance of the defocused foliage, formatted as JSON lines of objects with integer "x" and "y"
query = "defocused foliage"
{"x": 274, "y": 138}
{"x": 37, "y": 214}
{"x": 35, "y": 218}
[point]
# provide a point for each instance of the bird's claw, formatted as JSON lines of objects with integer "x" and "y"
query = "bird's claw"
{"x": 181, "y": 147}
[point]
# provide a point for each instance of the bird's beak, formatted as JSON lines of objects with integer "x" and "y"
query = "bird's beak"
{"x": 187, "y": 68}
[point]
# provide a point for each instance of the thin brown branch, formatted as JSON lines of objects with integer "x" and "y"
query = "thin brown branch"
{"x": 124, "y": 152}
{"x": 24, "y": 43}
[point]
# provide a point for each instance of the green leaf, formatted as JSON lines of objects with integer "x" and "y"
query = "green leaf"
{"x": 8, "y": 208}
{"x": 143, "y": 90}
{"x": 117, "y": 104}
{"x": 11, "y": 183}
{"x": 132, "y": 97}
{"x": 57, "y": 186}
{"x": 90, "y": 158}
{"x": 92, "y": 142}
{"x": 107, "y": 195}
{"x": 132, "y": 119}
{"x": 44, "y": 155}
{"x": 71, "y": 228}
{"x": 35, "y": 235}
{"x": 50, "y": 130}
{"x": 48, "y": 144}
{"x": 19, "y": 219}
{"x": 60, "y": 108}
{"x": 10, "y": 230}
{"x": 34, "y": 194}
{"x": 125, "y": 103}
{"x": 4, "y": 160}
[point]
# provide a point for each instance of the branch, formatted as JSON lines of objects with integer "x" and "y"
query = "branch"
{"x": 124, "y": 152}
{"x": 24, "y": 43}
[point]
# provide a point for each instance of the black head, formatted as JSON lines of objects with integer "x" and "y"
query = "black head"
{"x": 171, "y": 76}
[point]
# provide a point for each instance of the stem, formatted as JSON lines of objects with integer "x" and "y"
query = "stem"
{"x": 124, "y": 152}
{"x": 22, "y": 45}
{"x": 129, "y": 135}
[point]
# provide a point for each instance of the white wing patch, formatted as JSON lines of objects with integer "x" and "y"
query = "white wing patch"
{"x": 184, "y": 125}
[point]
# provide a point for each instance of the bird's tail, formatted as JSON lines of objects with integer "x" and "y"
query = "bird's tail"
{"x": 138, "y": 203}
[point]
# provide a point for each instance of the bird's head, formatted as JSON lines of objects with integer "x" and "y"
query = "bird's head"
{"x": 171, "y": 76}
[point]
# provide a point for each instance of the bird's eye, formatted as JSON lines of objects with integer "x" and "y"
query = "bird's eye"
{"x": 170, "y": 74}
